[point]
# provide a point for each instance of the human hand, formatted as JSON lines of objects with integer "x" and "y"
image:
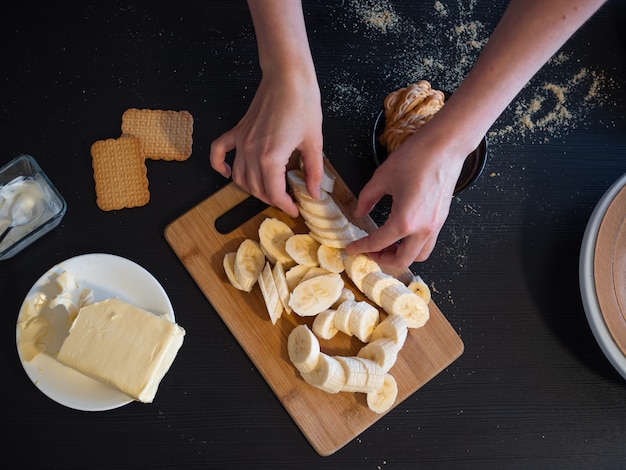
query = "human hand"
{"x": 420, "y": 176}
{"x": 285, "y": 115}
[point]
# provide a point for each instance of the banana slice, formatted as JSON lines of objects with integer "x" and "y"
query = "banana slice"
{"x": 303, "y": 349}
{"x": 339, "y": 239}
{"x": 328, "y": 179}
{"x": 357, "y": 266}
{"x": 374, "y": 282}
{"x": 399, "y": 300}
{"x": 249, "y": 262}
{"x": 362, "y": 375}
{"x": 273, "y": 235}
{"x": 342, "y": 316}
{"x": 346, "y": 294}
{"x": 382, "y": 399}
{"x": 280, "y": 279}
{"x": 331, "y": 259}
{"x": 314, "y": 221}
{"x": 325, "y": 207}
{"x": 297, "y": 181}
{"x": 303, "y": 249}
{"x": 362, "y": 320}
{"x": 393, "y": 327}
{"x": 229, "y": 269}
{"x": 315, "y": 295}
{"x": 324, "y": 324}
{"x": 295, "y": 274}
{"x": 328, "y": 375}
{"x": 383, "y": 351}
{"x": 270, "y": 294}
{"x": 314, "y": 272}
{"x": 420, "y": 287}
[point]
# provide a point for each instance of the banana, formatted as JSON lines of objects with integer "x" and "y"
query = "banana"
{"x": 324, "y": 207}
{"x": 303, "y": 249}
{"x": 328, "y": 179}
{"x": 273, "y": 234}
{"x": 383, "y": 351}
{"x": 249, "y": 262}
{"x": 362, "y": 375}
{"x": 303, "y": 349}
{"x": 342, "y": 316}
{"x": 270, "y": 293}
{"x": 375, "y": 374}
{"x": 315, "y": 221}
{"x": 339, "y": 239}
{"x": 324, "y": 324}
{"x": 362, "y": 320}
{"x": 357, "y": 266}
{"x": 295, "y": 274}
{"x": 278, "y": 273}
{"x": 346, "y": 294}
{"x": 374, "y": 282}
{"x": 229, "y": 269}
{"x": 297, "y": 182}
{"x": 328, "y": 375}
{"x": 393, "y": 327}
{"x": 314, "y": 272}
{"x": 399, "y": 300}
{"x": 382, "y": 399}
{"x": 315, "y": 295}
{"x": 331, "y": 259}
{"x": 418, "y": 286}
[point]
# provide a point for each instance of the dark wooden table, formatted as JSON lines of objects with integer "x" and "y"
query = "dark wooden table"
{"x": 532, "y": 389}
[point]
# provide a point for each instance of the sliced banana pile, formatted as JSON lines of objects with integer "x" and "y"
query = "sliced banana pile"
{"x": 302, "y": 273}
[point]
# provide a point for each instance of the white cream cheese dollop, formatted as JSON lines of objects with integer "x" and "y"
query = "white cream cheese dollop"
{"x": 21, "y": 199}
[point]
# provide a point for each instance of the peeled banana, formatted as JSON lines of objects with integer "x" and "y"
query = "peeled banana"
{"x": 324, "y": 324}
{"x": 248, "y": 264}
{"x": 418, "y": 286}
{"x": 273, "y": 235}
{"x": 270, "y": 294}
{"x": 303, "y": 348}
{"x": 315, "y": 295}
{"x": 302, "y": 248}
{"x": 393, "y": 327}
{"x": 383, "y": 398}
{"x": 331, "y": 258}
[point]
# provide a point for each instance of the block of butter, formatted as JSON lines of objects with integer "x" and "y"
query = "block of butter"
{"x": 122, "y": 345}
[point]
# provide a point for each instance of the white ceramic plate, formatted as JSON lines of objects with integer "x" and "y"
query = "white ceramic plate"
{"x": 588, "y": 286}
{"x": 107, "y": 276}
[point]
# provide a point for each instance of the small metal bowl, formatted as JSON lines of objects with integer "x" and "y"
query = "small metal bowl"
{"x": 26, "y": 167}
{"x": 472, "y": 167}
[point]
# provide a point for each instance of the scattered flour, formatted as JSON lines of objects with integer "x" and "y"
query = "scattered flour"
{"x": 441, "y": 46}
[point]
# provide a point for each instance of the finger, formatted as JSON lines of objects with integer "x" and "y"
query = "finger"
{"x": 275, "y": 189}
{"x": 219, "y": 148}
{"x": 379, "y": 240}
{"x": 313, "y": 162}
{"x": 371, "y": 193}
{"x": 410, "y": 250}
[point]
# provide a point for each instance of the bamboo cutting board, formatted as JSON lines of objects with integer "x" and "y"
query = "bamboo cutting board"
{"x": 200, "y": 239}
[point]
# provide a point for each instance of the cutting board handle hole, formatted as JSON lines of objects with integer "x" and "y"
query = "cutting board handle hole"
{"x": 239, "y": 215}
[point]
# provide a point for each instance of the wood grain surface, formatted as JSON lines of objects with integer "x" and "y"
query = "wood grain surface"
{"x": 610, "y": 268}
{"x": 328, "y": 421}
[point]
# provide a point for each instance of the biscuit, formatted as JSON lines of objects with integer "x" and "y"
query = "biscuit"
{"x": 120, "y": 173}
{"x": 164, "y": 135}
{"x": 407, "y": 110}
